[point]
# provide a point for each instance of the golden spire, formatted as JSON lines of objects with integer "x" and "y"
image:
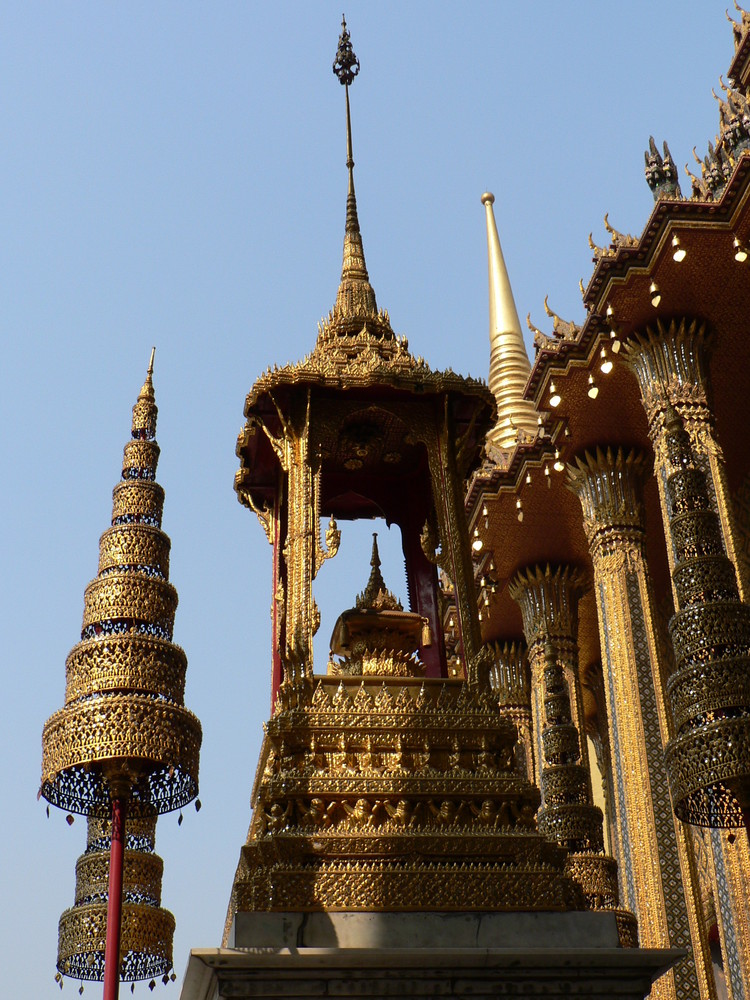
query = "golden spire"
{"x": 509, "y": 362}
{"x": 124, "y": 722}
{"x": 376, "y": 594}
{"x": 355, "y": 297}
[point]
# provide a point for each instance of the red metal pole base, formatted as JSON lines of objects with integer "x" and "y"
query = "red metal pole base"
{"x": 114, "y": 902}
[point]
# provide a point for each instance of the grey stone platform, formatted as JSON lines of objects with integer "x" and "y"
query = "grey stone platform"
{"x": 449, "y": 955}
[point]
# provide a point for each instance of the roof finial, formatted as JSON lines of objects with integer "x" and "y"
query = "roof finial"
{"x": 148, "y": 385}
{"x": 355, "y": 295}
{"x": 376, "y": 595}
{"x": 145, "y": 410}
{"x": 509, "y": 362}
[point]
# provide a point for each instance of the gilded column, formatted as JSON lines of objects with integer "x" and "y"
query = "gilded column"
{"x": 511, "y": 683}
{"x": 670, "y": 364}
{"x": 655, "y": 858}
{"x": 548, "y": 599}
{"x": 448, "y": 493}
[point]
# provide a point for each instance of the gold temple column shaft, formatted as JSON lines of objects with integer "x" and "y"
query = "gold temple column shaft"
{"x": 299, "y": 547}
{"x": 654, "y": 853}
{"x": 670, "y": 363}
{"x": 448, "y": 495}
{"x": 511, "y": 683}
{"x": 548, "y": 599}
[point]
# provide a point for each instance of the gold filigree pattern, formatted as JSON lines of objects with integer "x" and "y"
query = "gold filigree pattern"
{"x": 708, "y": 757}
{"x": 548, "y": 599}
{"x": 147, "y": 929}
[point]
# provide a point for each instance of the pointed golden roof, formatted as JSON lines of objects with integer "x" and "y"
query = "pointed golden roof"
{"x": 509, "y": 362}
{"x": 376, "y": 595}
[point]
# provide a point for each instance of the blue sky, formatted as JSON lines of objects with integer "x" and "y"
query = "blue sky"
{"x": 173, "y": 174}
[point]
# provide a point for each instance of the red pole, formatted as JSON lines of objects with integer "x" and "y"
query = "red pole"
{"x": 114, "y": 901}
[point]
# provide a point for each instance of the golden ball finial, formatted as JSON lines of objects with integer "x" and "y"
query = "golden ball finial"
{"x": 488, "y": 198}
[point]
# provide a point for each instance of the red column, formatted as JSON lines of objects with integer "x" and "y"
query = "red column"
{"x": 114, "y": 901}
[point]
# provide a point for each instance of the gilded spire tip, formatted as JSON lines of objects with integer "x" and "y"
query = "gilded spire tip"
{"x": 145, "y": 410}
{"x": 509, "y": 362}
{"x": 355, "y": 296}
{"x": 147, "y": 390}
{"x": 376, "y": 595}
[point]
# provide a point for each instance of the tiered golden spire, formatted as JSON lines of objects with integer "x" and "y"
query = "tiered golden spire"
{"x": 124, "y": 728}
{"x": 509, "y": 362}
{"x": 355, "y": 294}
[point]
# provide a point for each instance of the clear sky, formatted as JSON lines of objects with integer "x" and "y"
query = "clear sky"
{"x": 173, "y": 174}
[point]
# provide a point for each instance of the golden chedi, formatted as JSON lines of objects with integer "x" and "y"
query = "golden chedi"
{"x": 377, "y": 636}
{"x": 124, "y": 725}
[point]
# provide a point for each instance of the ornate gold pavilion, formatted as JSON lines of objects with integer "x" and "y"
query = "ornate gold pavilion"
{"x": 576, "y": 539}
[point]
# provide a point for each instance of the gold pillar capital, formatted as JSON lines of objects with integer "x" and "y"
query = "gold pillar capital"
{"x": 548, "y": 597}
{"x": 669, "y": 360}
{"x": 609, "y": 483}
{"x": 509, "y": 674}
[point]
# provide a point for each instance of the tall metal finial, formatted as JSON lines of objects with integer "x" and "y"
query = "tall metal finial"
{"x": 355, "y": 296}
{"x": 148, "y": 385}
{"x": 346, "y": 64}
{"x": 346, "y": 67}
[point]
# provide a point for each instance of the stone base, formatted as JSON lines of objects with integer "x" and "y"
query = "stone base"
{"x": 450, "y": 955}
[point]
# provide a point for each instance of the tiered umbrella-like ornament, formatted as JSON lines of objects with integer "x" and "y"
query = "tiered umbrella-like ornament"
{"x": 147, "y": 928}
{"x": 124, "y": 744}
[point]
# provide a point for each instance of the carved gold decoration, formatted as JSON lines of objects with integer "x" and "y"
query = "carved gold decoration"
{"x": 510, "y": 680}
{"x": 670, "y": 362}
{"x": 124, "y": 718}
{"x": 147, "y": 929}
{"x": 377, "y": 637}
{"x": 397, "y": 794}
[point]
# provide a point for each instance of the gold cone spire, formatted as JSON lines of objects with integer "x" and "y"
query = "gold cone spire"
{"x": 509, "y": 362}
{"x": 376, "y": 594}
